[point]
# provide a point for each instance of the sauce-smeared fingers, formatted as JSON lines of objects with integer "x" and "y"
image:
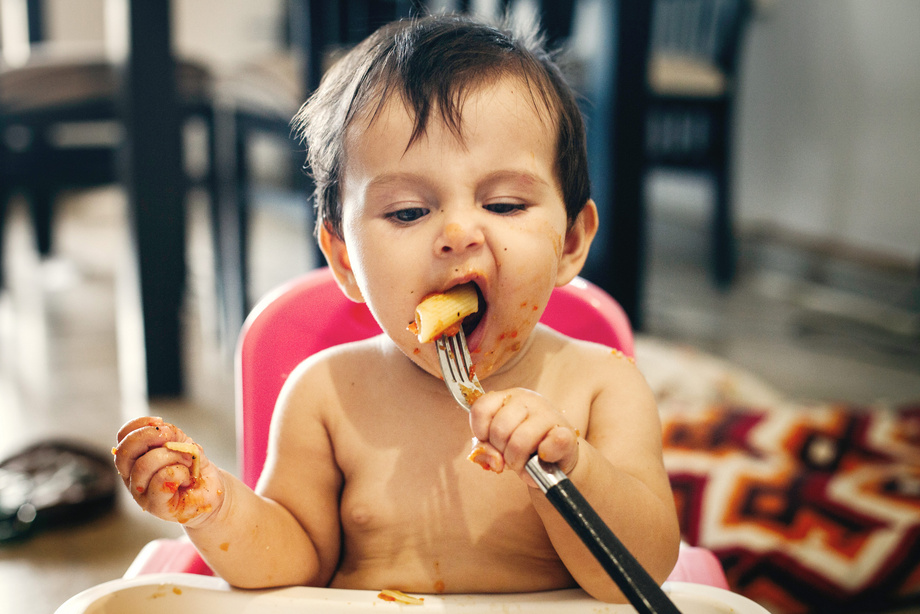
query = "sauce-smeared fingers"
{"x": 174, "y": 494}
{"x": 136, "y": 423}
{"x": 522, "y": 444}
{"x": 136, "y": 443}
{"x": 145, "y": 467}
{"x": 506, "y": 422}
{"x": 167, "y": 481}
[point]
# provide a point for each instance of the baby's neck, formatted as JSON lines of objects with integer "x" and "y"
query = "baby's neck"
{"x": 517, "y": 368}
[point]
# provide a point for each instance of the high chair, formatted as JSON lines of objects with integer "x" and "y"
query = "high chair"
{"x": 309, "y": 314}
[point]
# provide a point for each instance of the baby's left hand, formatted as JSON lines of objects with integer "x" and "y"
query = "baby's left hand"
{"x": 519, "y": 422}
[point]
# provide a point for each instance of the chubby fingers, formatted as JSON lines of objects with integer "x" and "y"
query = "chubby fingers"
{"x": 140, "y": 450}
{"x": 172, "y": 482}
{"x": 171, "y": 493}
{"x": 158, "y": 465}
{"x": 520, "y": 422}
{"x": 560, "y": 446}
{"x": 136, "y": 423}
{"x": 486, "y": 456}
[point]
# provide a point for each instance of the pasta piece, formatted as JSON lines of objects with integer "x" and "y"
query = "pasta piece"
{"x": 436, "y": 315}
{"x": 188, "y": 448}
{"x": 400, "y": 597}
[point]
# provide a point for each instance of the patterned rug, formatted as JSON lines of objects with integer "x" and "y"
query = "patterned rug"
{"x": 810, "y": 507}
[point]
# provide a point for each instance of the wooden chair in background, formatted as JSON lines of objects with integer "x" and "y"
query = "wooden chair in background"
{"x": 84, "y": 117}
{"x": 692, "y": 86}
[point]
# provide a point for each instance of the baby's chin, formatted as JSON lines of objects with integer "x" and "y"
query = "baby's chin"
{"x": 489, "y": 352}
{"x": 425, "y": 356}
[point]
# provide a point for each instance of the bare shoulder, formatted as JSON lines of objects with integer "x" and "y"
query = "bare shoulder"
{"x": 622, "y": 412}
{"x": 592, "y": 365}
{"x": 317, "y": 381}
{"x": 308, "y": 405}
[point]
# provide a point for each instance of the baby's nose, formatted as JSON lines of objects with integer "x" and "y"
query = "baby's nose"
{"x": 456, "y": 237}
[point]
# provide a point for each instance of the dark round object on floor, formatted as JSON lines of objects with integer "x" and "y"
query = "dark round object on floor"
{"x": 52, "y": 484}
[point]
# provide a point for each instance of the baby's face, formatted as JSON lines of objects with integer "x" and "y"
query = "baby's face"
{"x": 487, "y": 208}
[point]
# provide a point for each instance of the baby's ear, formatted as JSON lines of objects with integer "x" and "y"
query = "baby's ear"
{"x": 336, "y": 253}
{"x": 577, "y": 244}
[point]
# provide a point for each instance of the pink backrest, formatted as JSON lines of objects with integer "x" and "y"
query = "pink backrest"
{"x": 310, "y": 314}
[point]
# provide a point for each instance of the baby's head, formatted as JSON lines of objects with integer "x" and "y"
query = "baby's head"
{"x": 448, "y": 152}
{"x": 432, "y": 64}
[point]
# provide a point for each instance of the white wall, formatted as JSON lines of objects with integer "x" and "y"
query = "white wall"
{"x": 829, "y": 123}
{"x": 226, "y": 32}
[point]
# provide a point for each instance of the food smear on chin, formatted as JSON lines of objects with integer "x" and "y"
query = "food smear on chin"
{"x": 442, "y": 314}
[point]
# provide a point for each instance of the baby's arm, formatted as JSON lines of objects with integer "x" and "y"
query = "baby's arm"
{"x": 617, "y": 466}
{"x": 250, "y": 540}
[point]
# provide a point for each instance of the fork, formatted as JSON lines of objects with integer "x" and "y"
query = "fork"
{"x": 642, "y": 591}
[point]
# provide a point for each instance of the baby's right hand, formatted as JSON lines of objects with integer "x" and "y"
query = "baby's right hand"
{"x": 161, "y": 480}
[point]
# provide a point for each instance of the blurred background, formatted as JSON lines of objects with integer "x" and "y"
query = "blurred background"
{"x": 755, "y": 164}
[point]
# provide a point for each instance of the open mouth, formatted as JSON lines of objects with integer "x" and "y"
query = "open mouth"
{"x": 446, "y": 313}
{"x": 472, "y": 321}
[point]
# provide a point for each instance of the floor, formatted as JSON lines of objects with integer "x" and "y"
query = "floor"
{"x": 70, "y": 364}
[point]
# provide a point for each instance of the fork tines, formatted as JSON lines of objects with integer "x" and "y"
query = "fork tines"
{"x": 456, "y": 367}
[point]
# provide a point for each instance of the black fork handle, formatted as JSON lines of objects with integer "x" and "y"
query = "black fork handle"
{"x": 637, "y": 586}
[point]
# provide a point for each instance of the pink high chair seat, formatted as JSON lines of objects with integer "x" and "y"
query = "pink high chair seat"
{"x": 309, "y": 314}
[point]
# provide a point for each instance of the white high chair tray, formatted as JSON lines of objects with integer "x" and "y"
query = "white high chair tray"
{"x": 172, "y": 593}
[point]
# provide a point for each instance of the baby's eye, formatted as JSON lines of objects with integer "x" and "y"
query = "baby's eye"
{"x": 505, "y": 208}
{"x": 406, "y": 216}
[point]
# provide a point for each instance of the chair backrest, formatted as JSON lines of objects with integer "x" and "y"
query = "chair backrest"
{"x": 310, "y": 314}
{"x": 709, "y": 30}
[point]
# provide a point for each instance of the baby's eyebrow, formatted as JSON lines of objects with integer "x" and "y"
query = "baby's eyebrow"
{"x": 389, "y": 179}
{"x": 521, "y": 178}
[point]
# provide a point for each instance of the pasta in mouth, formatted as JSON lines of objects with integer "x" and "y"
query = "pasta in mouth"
{"x": 443, "y": 314}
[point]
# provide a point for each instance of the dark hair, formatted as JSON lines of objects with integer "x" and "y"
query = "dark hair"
{"x": 434, "y": 60}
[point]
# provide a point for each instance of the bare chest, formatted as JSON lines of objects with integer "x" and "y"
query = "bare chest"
{"x": 417, "y": 513}
{"x": 407, "y": 471}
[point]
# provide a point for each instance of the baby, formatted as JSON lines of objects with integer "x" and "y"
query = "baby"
{"x": 444, "y": 152}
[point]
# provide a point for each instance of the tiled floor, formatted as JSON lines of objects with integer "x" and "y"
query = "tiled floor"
{"x": 69, "y": 357}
